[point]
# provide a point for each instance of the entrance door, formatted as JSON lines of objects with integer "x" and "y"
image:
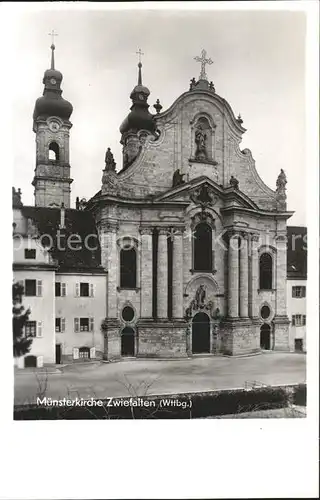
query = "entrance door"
{"x": 200, "y": 333}
{"x": 298, "y": 345}
{"x": 58, "y": 354}
{"x": 127, "y": 341}
{"x": 265, "y": 334}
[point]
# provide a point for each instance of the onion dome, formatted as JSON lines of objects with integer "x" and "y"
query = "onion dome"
{"x": 139, "y": 117}
{"x": 51, "y": 103}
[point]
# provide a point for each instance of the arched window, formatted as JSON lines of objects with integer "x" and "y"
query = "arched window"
{"x": 265, "y": 272}
{"x": 128, "y": 268}
{"x": 53, "y": 151}
{"x": 202, "y": 255}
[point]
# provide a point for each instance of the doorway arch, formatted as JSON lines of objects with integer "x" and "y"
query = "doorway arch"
{"x": 200, "y": 333}
{"x": 127, "y": 341}
{"x": 265, "y": 337}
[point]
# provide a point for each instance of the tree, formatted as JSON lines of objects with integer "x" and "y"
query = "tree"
{"x": 21, "y": 342}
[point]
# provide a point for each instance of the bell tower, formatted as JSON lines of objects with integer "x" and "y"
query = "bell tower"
{"x": 52, "y": 126}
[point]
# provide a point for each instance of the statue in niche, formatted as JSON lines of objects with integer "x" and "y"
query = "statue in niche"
{"x": 200, "y": 139}
{"x": 177, "y": 178}
{"x": 234, "y": 182}
{"x": 200, "y": 296}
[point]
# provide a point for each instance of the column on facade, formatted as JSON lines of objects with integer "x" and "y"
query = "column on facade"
{"x": 108, "y": 242}
{"x": 162, "y": 274}
{"x": 244, "y": 277}
{"x": 146, "y": 272}
{"x": 254, "y": 307}
{"x": 177, "y": 273}
{"x": 233, "y": 276}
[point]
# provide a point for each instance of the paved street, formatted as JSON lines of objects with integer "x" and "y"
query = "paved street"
{"x": 141, "y": 377}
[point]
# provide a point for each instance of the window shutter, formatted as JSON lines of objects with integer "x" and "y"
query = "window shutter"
{"x": 75, "y": 353}
{"x": 39, "y": 288}
{"x": 62, "y": 325}
{"x": 77, "y": 289}
{"x": 39, "y": 329}
{"x": 293, "y": 320}
{"x": 293, "y": 291}
{"x": 91, "y": 324}
{"x": 91, "y": 290}
{"x": 39, "y": 361}
{"x": 304, "y": 320}
{"x": 303, "y": 291}
{"x": 63, "y": 289}
{"x": 76, "y": 324}
{"x": 92, "y": 352}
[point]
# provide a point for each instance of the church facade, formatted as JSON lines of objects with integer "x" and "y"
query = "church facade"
{"x": 191, "y": 243}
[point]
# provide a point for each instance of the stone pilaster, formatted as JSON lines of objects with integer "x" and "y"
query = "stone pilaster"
{"x": 244, "y": 278}
{"x": 108, "y": 240}
{"x": 279, "y": 281}
{"x": 177, "y": 274}
{"x": 146, "y": 272}
{"x": 162, "y": 272}
{"x": 233, "y": 276}
{"x": 254, "y": 306}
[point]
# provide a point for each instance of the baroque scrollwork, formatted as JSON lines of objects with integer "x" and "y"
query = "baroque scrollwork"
{"x": 203, "y": 196}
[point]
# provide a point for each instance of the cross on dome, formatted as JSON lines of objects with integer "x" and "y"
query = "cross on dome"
{"x": 52, "y": 34}
{"x": 140, "y": 54}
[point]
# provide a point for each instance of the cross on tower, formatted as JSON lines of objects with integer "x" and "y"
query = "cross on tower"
{"x": 203, "y": 62}
{"x": 52, "y": 34}
{"x": 140, "y": 54}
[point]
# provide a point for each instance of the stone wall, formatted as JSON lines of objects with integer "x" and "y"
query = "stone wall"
{"x": 162, "y": 340}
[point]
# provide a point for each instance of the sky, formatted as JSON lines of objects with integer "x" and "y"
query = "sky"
{"x": 259, "y": 68}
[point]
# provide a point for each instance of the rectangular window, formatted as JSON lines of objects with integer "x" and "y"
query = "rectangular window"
{"x": 298, "y": 345}
{"x": 31, "y": 329}
{"x": 299, "y": 320}
{"x": 61, "y": 289}
{"x": 29, "y": 253}
{"x": 84, "y": 353}
{"x": 60, "y": 325}
{"x": 58, "y": 289}
{"x": 298, "y": 292}
{"x": 84, "y": 324}
{"x": 30, "y": 287}
{"x": 84, "y": 289}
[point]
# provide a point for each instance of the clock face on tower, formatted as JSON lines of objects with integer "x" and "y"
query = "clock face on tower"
{"x": 53, "y": 81}
{"x": 54, "y": 126}
{"x": 141, "y": 97}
